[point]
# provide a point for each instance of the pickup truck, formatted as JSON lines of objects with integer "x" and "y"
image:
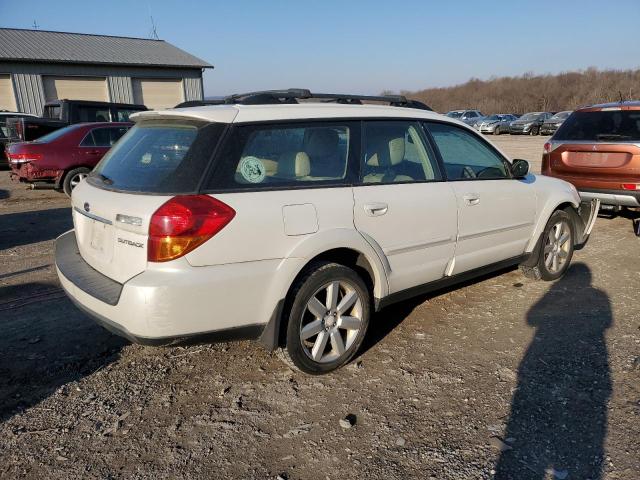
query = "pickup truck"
{"x": 61, "y": 113}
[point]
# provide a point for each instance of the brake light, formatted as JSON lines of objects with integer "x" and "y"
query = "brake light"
{"x": 23, "y": 157}
{"x": 631, "y": 186}
{"x": 547, "y": 147}
{"x": 184, "y": 223}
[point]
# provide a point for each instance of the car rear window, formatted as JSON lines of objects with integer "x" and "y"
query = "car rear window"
{"x": 607, "y": 125}
{"x": 159, "y": 157}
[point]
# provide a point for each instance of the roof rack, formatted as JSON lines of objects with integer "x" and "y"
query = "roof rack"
{"x": 294, "y": 95}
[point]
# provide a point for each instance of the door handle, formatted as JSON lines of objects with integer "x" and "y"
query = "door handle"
{"x": 375, "y": 209}
{"x": 471, "y": 200}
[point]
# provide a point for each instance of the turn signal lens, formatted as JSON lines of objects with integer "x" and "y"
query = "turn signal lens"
{"x": 631, "y": 186}
{"x": 184, "y": 223}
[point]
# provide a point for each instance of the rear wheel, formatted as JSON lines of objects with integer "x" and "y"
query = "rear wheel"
{"x": 73, "y": 178}
{"x": 556, "y": 248}
{"x": 534, "y": 130}
{"x": 496, "y": 131}
{"x": 328, "y": 318}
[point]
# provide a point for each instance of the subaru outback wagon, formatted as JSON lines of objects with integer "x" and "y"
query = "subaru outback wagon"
{"x": 278, "y": 218}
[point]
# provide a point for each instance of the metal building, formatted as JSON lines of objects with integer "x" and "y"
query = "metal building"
{"x": 37, "y": 66}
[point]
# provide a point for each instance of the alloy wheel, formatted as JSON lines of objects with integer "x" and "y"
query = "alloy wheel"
{"x": 331, "y": 321}
{"x": 557, "y": 246}
{"x": 76, "y": 179}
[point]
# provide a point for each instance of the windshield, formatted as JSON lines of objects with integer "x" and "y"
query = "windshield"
{"x": 530, "y": 116}
{"x": 493, "y": 118}
{"x": 455, "y": 114}
{"x": 159, "y": 157}
{"x": 50, "y": 137}
{"x": 602, "y": 125}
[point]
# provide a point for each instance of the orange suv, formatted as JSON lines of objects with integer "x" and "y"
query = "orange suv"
{"x": 597, "y": 149}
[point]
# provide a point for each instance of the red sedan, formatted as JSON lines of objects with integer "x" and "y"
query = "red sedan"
{"x": 64, "y": 157}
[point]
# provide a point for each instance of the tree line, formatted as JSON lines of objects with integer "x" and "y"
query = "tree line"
{"x": 530, "y": 92}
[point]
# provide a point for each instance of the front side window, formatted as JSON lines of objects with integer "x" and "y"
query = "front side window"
{"x": 271, "y": 156}
{"x": 394, "y": 151}
{"x": 93, "y": 114}
{"x": 123, "y": 114}
{"x": 465, "y": 156}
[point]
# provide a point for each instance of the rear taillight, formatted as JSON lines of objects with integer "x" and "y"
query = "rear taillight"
{"x": 631, "y": 186}
{"x": 547, "y": 147}
{"x": 184, "y": 223}
{"x": 23, "y": 157}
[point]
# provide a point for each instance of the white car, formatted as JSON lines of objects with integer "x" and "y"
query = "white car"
{"x": 292, "y": 222}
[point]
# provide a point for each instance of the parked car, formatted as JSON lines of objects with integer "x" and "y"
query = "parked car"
{"x": 550, "y": 126}
{"x": 63, "y": 157}
{"x": 60, "y": 113}
{"x": 529, "y": 123}
{"x": 597, "y": 149}
{"x": 495, "y": 124}
{"x": 467, "y": 116}
{"x": 304, "y": 220}
{"x": 3, "y": 133}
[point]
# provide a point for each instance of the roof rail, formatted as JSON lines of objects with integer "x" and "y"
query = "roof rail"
{"x": 294, "y": 95}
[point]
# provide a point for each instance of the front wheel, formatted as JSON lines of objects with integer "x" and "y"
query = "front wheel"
{"x": 534, "y": 130}
{"x": 328, "y": 318}
{"x": 496, "y": 131}
{"x": 556, "y": 248}
{"x": 73, "y": 178}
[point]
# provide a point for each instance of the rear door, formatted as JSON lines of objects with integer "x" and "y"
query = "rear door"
{"x": 112, "y": 207}
{"x": 402, "y": 206}
{"x": 496, "y": 213}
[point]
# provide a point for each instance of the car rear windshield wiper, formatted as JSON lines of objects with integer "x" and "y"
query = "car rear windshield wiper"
{"x": 106, "y": 180}
{"x": 612, "y": 136}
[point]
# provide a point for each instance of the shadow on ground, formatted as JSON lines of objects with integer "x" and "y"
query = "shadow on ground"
{"x": 45, "y": 344}
{"x": 23, "y": 228}
{"x": 4, "y": 194}
{"x": 558, "y": 421}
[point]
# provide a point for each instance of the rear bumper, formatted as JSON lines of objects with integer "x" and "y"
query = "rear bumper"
{"x": 623, "y": 198}
{"x": 30, "y": 172}
{"x": 172, "y": 305}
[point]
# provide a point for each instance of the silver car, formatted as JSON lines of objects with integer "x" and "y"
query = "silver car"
{"x": 467, "y": 116}
{"x": 495, "y": 124}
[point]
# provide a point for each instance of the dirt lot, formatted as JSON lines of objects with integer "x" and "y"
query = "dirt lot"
{"x": 501, "y": 378}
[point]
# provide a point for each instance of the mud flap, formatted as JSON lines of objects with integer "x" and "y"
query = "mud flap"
{"x": 584, "y": 220}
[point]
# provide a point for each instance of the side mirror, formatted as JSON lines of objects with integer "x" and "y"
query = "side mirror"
{"x": 519, "y": 168}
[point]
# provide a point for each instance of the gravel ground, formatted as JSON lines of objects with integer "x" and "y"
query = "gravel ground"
{"x": 503, "y": 377}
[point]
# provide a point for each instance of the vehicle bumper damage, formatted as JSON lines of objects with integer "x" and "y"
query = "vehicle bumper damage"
{"x": 30, "y": 173}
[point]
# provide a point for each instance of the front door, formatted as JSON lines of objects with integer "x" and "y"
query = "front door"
{"x": 402, "y": 206}
{"x": 496, "y": 212}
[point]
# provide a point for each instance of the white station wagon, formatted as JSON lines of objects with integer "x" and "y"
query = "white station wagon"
{"x": 276, "y": 217}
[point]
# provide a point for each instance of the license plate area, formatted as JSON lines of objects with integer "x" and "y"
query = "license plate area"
{"x": 98, "y": 233}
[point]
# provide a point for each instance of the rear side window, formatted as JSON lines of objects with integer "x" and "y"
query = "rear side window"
{"x": 610, "y": 125}
{"x": 103, "y": 137}
{"x": 51, "y": 111}
{"x": 272, "y": 156}
{"x": 93, "y": 114}
{"x": 465, "y": 156}
{"x": 159, "y": 157}
{"x": 123, "y": 114}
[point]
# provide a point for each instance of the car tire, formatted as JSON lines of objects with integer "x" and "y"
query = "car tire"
{"x": 496, "y": 131}
{"x": 534, "y": 131}
{"x": 555, "y": 249}
{"x": 321, "y": 337}
{"x": 72, "y": 178}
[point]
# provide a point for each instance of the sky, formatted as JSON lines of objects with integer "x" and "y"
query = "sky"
{"x": 360, "y": 46}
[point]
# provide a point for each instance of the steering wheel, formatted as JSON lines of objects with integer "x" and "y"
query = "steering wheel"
{"x": 467, "y": 172}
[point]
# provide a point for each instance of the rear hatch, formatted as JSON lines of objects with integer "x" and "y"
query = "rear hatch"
{"x": 598, "y": 145}
{"x": 153, "y": 162}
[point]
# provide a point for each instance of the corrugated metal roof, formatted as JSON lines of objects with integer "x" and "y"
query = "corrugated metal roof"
{"x": 62, "y": 47}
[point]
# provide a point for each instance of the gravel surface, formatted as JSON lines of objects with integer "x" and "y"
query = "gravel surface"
{"x": 502, "y": 377}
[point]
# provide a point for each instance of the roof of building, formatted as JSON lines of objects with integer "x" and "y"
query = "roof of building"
{"x": 307, "y": 110}
{"x": 62, "y": 47}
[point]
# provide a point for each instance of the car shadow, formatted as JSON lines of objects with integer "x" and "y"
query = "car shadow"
{"x": 4, "y": 194}
{"x": 45, "y": 344}
{"x": 387, "y": 319}
{"x": 558, "y": 420}
{"x": 23, "y": 228}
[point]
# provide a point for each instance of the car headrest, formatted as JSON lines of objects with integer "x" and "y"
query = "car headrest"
{"x": 321, "y": 142}
{"x": 294, "y": 165}
{"x": 386, "y": 152}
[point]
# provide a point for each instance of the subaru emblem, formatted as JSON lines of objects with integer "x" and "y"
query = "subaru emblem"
{"x": 86, "y": 207}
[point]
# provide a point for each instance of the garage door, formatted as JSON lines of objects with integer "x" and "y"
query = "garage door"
{"x": 157, "y": 93}
{"x": 7, "y": 98}
{"x": 75, "y": 88}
